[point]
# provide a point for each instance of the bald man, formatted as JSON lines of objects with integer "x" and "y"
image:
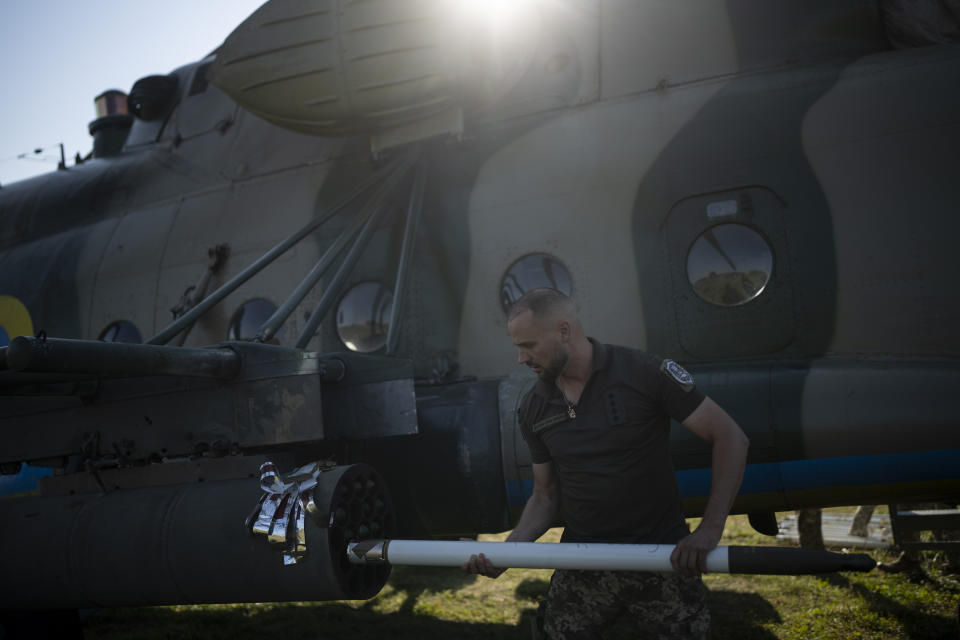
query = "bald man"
{"x": 598, "y": 427}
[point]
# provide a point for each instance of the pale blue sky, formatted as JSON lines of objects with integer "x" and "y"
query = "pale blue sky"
{"x": 56, "y": 56}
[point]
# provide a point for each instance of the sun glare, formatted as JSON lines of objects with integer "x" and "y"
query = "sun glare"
{"x": 500, "y": 10}
{"x": 497, "y": 12}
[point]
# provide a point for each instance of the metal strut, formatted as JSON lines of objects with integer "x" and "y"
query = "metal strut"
{"x": 234, "y": 283}
{"x": 406, "y": 254}
{"x": 273, "y": 324}
{"x": 363, "y": 220}
{"x": 332, "y": 291}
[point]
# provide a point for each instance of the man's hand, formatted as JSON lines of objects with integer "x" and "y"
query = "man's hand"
{"x": 690, "y": 554}
{"x": 481, "y": 565}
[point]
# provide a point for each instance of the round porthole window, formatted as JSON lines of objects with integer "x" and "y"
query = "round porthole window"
{"x": 533, "y": 271}
{"x": 248, "y": 319}
{"x": 121, "y": 331}
{"x": 729, "y": 265}
{"x": 363, "y": 317}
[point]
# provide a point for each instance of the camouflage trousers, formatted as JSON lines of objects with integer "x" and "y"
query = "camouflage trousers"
{"x": 625, "y": 604}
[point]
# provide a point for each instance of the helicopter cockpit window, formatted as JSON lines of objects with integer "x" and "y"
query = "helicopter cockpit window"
{"x": 533, "y": 271}
{"x": 363, "y": 317}
{"x": 729, "y": 264}
{"x": 121, "y": 331}
{"x": 248, "y": 319}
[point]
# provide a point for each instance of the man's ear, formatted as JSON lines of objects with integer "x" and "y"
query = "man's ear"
{"x": 566, "y": 332}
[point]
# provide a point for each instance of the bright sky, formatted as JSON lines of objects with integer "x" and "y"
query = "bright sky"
{"x": 56, "y": 56}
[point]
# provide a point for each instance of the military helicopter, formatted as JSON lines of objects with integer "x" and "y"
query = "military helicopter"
{"x": 314, "y": 233}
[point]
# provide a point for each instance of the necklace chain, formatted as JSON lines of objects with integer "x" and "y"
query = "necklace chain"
{"x": 571, "y": 409}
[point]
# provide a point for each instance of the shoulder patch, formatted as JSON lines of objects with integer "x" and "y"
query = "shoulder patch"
{"x": 678, "y": 373}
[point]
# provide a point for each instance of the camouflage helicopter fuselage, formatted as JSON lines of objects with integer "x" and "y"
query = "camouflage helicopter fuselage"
{"x": 615, "y": 151}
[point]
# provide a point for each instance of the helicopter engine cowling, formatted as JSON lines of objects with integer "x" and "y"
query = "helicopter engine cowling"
{"x": 341, "y": 67}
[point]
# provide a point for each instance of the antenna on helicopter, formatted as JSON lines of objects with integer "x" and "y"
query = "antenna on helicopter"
{"x": 35, "y": 155}
{"x": 28, "y": 155}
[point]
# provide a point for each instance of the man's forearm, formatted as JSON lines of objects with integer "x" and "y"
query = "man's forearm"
{"x": 728, "y": 461}
{"x": 538, "y": 515}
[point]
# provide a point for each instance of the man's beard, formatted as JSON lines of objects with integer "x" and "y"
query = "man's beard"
{"x": 555, "y": 367}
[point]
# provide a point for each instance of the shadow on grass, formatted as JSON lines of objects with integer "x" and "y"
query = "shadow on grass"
{"x": 413, "y": 582}
{"x": 534, "y": 589}
{"x": 736, "y": 615}
{"x": 287, "y": 621}
{"x": 916, "y": 624}
{"x": 740, "y": 616}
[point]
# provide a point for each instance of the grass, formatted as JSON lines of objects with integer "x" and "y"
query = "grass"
{"x": 429, "y": 602}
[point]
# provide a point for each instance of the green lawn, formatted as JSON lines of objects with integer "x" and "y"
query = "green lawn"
{"x": 434, "y": 602}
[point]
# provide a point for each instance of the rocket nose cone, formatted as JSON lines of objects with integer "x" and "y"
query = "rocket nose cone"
{"x": 859, "y": 562}
{"x": 795, "y": 561}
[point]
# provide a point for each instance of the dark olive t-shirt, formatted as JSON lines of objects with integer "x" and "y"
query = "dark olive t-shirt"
{"x": 617, "y": 482}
